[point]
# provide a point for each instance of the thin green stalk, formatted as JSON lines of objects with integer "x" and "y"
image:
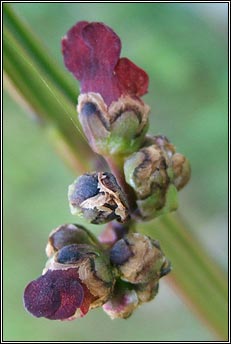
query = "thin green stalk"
{"x": 48, "y": 92}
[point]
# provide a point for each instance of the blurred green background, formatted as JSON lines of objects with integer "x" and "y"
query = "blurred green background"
{"x": 183, "y": 47}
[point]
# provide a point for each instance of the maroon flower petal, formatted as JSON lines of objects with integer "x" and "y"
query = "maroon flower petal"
{"x": 91, "y": 52}
{"x": 55, "y": 295}
{"x": 88, "y": 299}
{"x": 132, "y": 79}
{"x": 75, "y": 52}
{"x": 105, "y": 46}
{"x": 40, "y": 297}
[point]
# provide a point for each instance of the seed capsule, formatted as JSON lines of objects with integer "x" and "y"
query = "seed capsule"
{"x": 142, "y": 259}
{"x": 155, "y": 173}
{"x": 98, "y": 197}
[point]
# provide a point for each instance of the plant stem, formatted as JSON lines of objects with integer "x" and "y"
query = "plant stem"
{"x": 116, "y": 167}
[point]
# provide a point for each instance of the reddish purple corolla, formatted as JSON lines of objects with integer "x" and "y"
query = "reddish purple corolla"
{"x": 92, "y": 53}
{"x": 58, "y": 295}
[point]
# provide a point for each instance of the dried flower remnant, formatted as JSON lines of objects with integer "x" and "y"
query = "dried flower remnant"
{"x": 140, "y": 263}
{"x": 98, "y": 197}
{"x": 76, "y": 278}
{"x": 138, "y": 258}
{"x": 156, "y": 172}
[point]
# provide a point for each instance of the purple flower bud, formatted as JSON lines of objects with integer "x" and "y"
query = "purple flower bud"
{"x": 68, "y": 234}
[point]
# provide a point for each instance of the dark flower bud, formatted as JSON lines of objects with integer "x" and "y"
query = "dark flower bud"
{"x": 68, "y": 234}
{"x": 76, "y": 279}
{"x": 142, "y": 259}
{"x": 113, "y": 232}
{"x": 98, "y": 197}
{"x": 115, "y": 130}
{"x": 120, "y": 252}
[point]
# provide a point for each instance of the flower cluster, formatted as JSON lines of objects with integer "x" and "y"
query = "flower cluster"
{"x": 81, "y": 275}
{"x": 76, "y": 278}
{"x": 121, "y": 269}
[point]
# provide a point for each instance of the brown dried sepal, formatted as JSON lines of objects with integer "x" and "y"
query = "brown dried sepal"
{"x": 109, "y": 197}
{"x": 151, "y": 173}
{"x": 145, "y": 262}
{"x": 106, "y": 128}
{"x": 181, "y": 170}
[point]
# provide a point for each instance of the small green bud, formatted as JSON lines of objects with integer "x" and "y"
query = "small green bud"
{"x": 142, "y": 259}
{"x": 98, "y": 197}
{"x": 115, "y": 130}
